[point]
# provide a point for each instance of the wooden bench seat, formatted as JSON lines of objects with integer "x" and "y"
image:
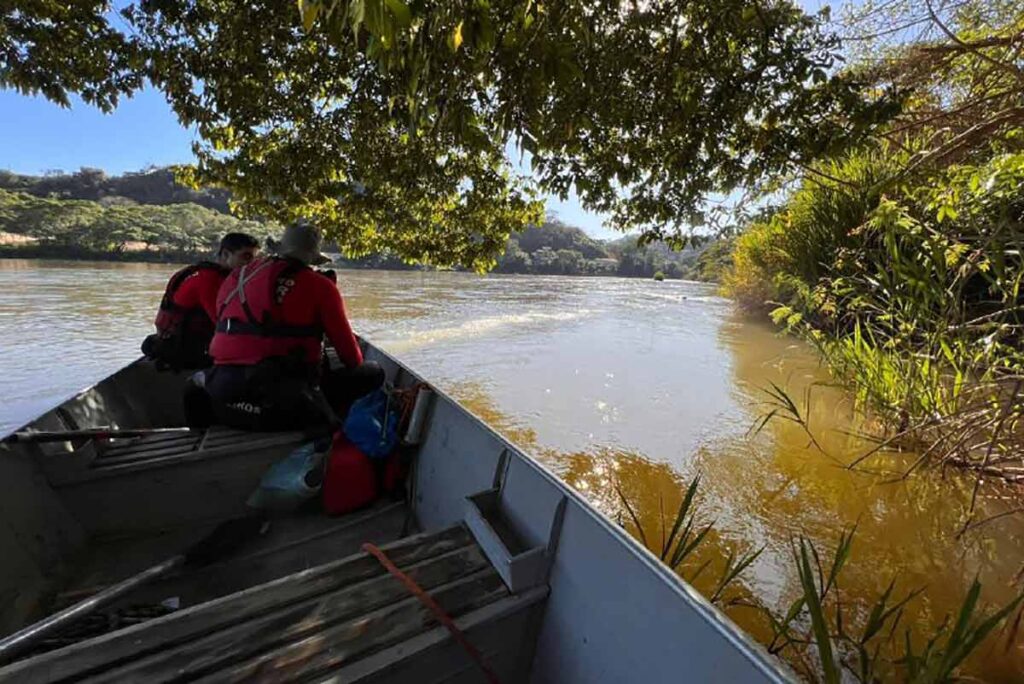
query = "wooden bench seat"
{"x": 348, "y": 619}
{"x": 161, "y": 482}
{"x": 290, "y": 544}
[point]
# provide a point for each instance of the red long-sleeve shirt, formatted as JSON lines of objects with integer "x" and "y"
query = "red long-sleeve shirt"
{"x": 200, "y": 291}
{"x": 310, "y": 300}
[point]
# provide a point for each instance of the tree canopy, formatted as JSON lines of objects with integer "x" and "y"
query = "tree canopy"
{"x": 388, "y": 122}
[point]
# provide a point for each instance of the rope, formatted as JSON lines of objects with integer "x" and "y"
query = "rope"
{"x": 432, "y": 605}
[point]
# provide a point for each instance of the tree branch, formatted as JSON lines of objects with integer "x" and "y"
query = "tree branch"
{"x": 1009, "y": 68}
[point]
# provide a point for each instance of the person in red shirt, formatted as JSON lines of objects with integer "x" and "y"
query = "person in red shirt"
{"x": 188, "y": 310}
{"x": 272, "y": 317}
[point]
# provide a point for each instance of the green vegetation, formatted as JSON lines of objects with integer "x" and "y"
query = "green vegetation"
{"x": 823, "y": 637}
{"x": 825, "y": 640}
{"x": 902, "y": 260}
{"x": 659, "y": 276}
{"x": 112, "y": 228}
{"x": 148, "y": 215}
{"x": 387, "y": 122}
{"x": 895, "y": 246}
{"x": 154, "y": 185}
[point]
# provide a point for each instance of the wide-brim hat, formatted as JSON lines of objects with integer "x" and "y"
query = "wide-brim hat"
{"x": 302, "y": 241}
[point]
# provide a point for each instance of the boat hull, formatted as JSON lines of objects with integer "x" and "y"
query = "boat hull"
{"x": 614, "y": 612}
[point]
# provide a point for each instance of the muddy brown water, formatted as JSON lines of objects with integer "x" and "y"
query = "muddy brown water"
{"x": 609, "y": 382}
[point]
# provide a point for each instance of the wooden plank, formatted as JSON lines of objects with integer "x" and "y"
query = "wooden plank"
{"x": 122, "y": 443}
{"x": 218, "y": 436}
{"x": 142, "y": 445}
{"x": 147, "y": 453}
{"x": 330, "y": 648}
{"x": 110, "y": 560}
{"x": 284, "y": 550}
{"x": 258, "y": 442}
{"x": 505, "y": 632}
{"x": 293, "y": 621}
{"x": 186, "y": 624}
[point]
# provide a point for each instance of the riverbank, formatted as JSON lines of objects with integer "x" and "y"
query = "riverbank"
{"x": 146, "y": 217}
{"x": 71, "y": 253}
{"x": 140, "y": 254}
{"x": 910, "y": 292}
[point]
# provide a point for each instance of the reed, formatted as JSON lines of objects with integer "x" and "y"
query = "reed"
{"x": 821, "y": 636}
{"x": 680, "y": 540}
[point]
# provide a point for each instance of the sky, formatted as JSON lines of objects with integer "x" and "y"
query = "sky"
{"x": 38, "y": 136}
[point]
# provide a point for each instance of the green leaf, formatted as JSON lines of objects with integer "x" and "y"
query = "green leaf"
{"x": 818, "y": 623}
{"x": 308, "y": 11}
{"x": 401, "y": 12}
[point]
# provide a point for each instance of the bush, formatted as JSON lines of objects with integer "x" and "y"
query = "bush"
{"x": 659, "y": 276}
{"x": 912, "y": 294}
{"x": 797, "y": 246}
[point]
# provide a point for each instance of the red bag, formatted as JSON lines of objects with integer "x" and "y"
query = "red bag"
{"x": 350, "y": 481}
{"x": 394, "y": 473}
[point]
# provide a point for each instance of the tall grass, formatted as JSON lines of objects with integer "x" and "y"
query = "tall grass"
{"x": 821, "y": 635}
{"x": 828, "y": 640}
{"x": 680, "y": 541}
{"x": 912, "y": 293}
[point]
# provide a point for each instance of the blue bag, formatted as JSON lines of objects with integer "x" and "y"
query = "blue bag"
{"x": 372, "y": 425}
{"x": 291, "y": 481}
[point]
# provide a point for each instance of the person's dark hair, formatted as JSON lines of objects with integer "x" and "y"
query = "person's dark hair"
{"x": 232, "y": 242}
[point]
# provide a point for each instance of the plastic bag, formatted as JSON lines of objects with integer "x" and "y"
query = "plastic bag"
{"x": 292, "y": 481}
{"x": 372, "y": 425}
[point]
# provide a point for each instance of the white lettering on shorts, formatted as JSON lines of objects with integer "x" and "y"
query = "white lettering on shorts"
{"x": 246, "y": 407}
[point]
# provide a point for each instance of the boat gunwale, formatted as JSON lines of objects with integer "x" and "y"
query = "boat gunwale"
{"x": 4, "y": 435}
{"x": 722, "y": 623}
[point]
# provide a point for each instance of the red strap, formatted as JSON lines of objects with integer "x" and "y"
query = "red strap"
{"x": 432, "y": 605}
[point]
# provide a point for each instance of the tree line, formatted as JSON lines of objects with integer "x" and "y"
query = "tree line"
{"x": 113, "y": 227}
{"x": 149, "y": 215}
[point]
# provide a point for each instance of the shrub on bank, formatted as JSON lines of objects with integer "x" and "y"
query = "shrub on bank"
{"x": 911, "y": 288}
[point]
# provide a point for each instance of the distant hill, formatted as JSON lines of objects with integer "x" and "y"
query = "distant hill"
{"x": 152, "y": 186}
{"x": 112, "y": 228}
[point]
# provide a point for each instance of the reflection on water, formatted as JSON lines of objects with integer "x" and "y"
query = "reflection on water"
{"x": 607, "y": 381}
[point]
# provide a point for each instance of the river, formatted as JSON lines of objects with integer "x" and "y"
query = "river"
{"x": 609, "y": 382}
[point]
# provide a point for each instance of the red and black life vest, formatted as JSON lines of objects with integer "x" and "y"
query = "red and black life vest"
{"x": 250, "y": 315}
{"x": 183, "y": 334}
{"x": 172, "y": 319}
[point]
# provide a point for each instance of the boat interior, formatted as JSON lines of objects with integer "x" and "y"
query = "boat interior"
{"x": 299, "y": 602}
{"x": 485, "y": 568}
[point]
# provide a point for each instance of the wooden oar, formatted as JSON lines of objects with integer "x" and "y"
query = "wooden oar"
{"x": 31, "y": 437}
{"x": 224, "y": 539}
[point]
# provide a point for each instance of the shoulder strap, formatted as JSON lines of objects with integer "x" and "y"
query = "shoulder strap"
{"x": 292, "y": 267}
{"x": 176, "y": 282}
{"x": 245, "y": 276}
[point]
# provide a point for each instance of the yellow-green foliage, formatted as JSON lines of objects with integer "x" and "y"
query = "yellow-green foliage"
{"x": 112, "y": 226}
{"x": 799, "y": 244}
{"x": 910, "y": 288}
